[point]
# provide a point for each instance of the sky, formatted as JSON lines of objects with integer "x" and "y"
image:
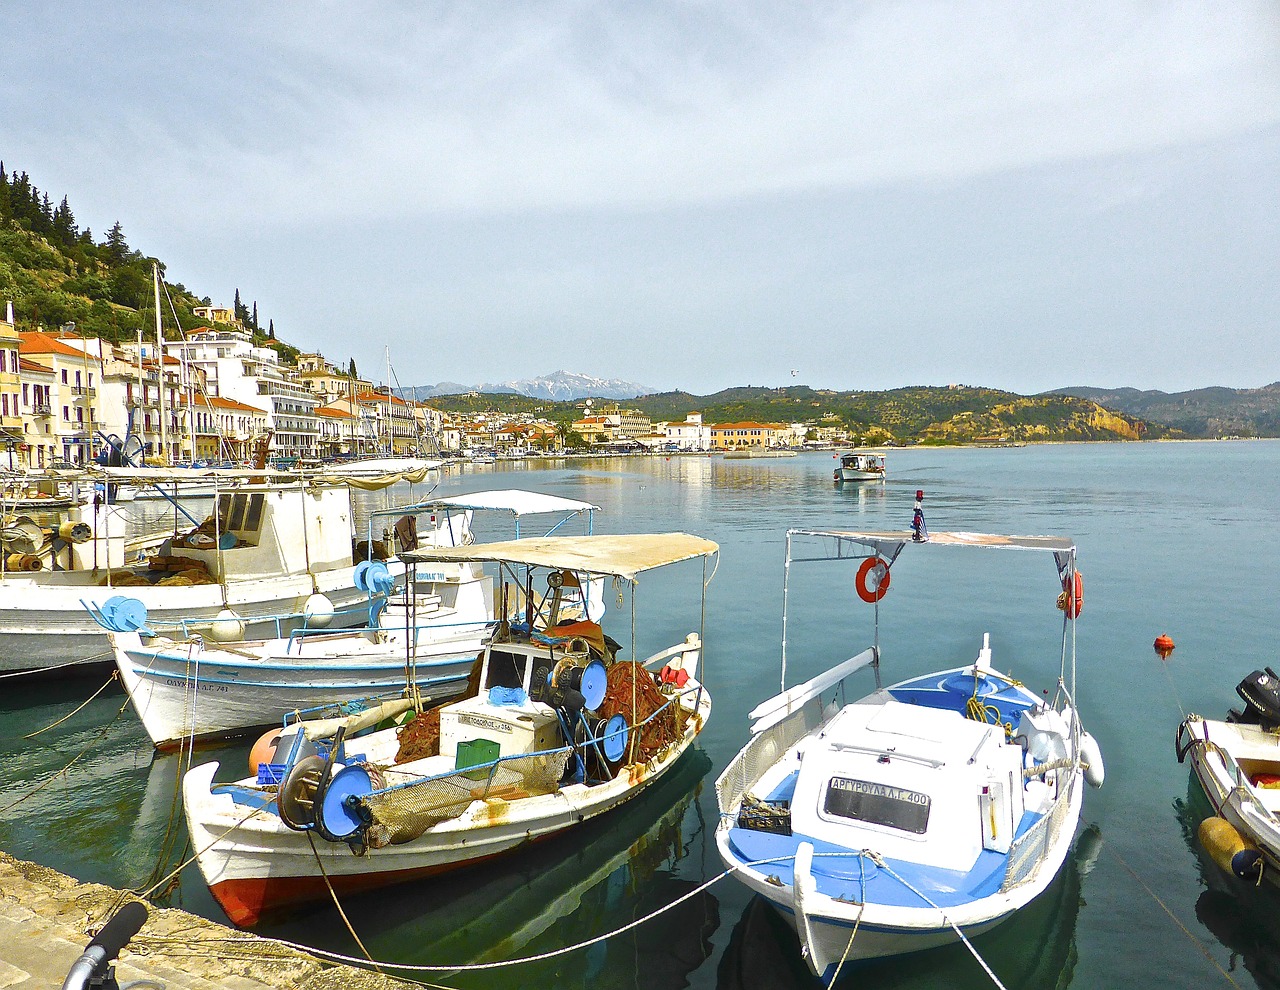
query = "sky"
{"x": 688, "y": 195}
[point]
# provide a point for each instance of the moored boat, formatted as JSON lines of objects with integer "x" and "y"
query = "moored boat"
{"x": 559, "y": 731}
{"x": 1237, "y": 763}
{"x": 203, "y": 681}
{"x": 939, "y": 805}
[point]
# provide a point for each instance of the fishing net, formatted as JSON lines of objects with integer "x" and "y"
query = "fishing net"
{"x": 628, "y": 682}
{"x": 403, "y": 814}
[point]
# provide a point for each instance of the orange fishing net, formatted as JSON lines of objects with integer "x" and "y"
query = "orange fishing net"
{"x": 628, "y": 680}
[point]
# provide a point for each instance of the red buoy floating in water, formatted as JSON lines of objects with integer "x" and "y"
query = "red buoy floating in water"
{"x": 1163, "y": 645}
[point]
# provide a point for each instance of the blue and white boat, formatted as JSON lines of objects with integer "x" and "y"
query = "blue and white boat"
{"x": 923, "y": 813}
{"x": 200, "y": 680}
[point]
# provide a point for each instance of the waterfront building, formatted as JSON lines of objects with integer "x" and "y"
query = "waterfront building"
{"x": 692, "y": 434}
{"x": 10, "y": 413}
{"x": 395, "y": 425}
{"x": 734, "y": 436}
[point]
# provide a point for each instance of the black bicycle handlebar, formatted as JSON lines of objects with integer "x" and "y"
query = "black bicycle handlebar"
{"x": 106, "y": 945}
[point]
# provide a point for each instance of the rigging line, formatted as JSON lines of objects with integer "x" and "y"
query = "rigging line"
{"x": 114, "y": 676}
{"x": 1204, "y": 950}
{"x": 164, "y": 881}
{"x": 553, "y": 953}
{"x": 963, "y": 938}
{"x": 338, "y": 904}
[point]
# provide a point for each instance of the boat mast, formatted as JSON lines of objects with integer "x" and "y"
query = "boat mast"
{"x": 164, "y": 432}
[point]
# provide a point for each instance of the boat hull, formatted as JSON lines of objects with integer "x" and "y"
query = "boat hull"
{"x": 45, "y": 625}
{"x": 193, "y": 692}
{"x": 255, "y": 865}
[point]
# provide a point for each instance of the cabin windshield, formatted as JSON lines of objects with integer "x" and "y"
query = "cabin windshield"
{"x": 878, "y": 804}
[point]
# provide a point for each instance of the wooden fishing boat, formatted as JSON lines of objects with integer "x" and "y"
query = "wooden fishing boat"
{"x": 559, "y": 731}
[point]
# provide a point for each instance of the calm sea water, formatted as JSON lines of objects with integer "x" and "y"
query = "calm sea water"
{"x": 1174, "y": 538}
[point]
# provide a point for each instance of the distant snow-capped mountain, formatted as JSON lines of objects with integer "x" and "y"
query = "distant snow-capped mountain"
{"x": 563, "y": 386}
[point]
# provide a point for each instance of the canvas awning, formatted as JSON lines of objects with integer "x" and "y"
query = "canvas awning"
{"x": 623, "y": 556}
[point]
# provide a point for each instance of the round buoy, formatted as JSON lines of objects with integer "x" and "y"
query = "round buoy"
{"x": 1163, "y": 645}
{"x": 593, "y": 683}
{"x": 318, "y": 610}
{"x": 264, "y": 750}
{"x": 227, "y": 627}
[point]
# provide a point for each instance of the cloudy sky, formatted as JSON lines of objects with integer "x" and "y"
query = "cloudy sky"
{"x": 689, "y": 194}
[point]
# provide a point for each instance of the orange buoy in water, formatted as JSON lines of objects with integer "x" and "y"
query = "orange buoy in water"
{"x": 1163, "y": 645}
{"x": 264, "y": 750}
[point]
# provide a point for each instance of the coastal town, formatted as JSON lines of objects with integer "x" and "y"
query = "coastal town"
{"x": 210, "y": 396}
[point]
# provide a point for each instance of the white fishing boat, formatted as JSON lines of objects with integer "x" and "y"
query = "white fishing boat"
{"x": 559, "y": 731}
{"x": 203, "y": 681}
{"x": 269, "y": 544}
{"x": 937, "y": 806}
{"x": 860, "y": 466}
{"x": 1237, "y": 762}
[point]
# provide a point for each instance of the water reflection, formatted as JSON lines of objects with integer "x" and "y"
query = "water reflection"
{"x": 1035, "y": 950}
{"x": 589, "y": 881}
{"x": 1245, "y": 919}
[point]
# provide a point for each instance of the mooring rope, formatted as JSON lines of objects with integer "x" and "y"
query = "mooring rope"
{"x": 57, "y": 666}
{"x": 96, "y": 739}
{"x": 115, "y": 675}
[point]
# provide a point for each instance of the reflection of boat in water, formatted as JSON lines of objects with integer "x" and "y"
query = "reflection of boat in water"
{"x": 1036, "y": 948}
{"x": 1242, "y": 916}
{"x": 564, "y": 891}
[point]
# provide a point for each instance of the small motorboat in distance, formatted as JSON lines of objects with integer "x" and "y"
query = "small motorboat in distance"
{"x": 937, "y": 806}
{"x": 1237, "y": 762}
{"x": 860, "y": 466}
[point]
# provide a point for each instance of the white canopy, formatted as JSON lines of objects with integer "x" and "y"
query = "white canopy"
{"x": 613, "y": 556}
{"x": 515, "y": 501}
{"x": 1058, "y": 544}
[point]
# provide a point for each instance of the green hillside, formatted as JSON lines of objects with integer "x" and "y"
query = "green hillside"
{"x": 921, "y": 414}
{"x": 57, "y": 273}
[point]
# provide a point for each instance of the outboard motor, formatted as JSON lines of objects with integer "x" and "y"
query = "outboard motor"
{"x": 1261, "y": 694}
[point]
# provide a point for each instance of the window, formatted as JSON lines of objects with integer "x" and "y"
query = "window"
{"x": 64, "y": 376}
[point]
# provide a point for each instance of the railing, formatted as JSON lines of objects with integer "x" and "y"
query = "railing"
{"x": 761, "y": 753}
{"x": 1027, "y": 853}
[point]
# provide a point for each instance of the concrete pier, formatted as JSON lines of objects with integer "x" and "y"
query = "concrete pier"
{"x": 47, "y": 918}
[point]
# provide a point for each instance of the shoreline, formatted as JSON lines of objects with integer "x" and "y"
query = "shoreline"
{"x": 46, "y": 920}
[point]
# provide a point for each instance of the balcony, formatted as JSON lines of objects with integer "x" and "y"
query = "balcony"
{"x": 41, "y": 409}
{"x": 86, "y": 391}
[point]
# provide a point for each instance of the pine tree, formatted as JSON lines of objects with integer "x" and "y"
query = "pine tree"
{"x": 351, "y": 369}
{"x": 115, "y": 247}
{"x": 241, "y": 310}
{"x": 271, "y": 329}
{"x": 255, "y": 316}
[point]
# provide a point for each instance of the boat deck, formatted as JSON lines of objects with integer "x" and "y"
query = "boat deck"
{"x": 845, "y": 874}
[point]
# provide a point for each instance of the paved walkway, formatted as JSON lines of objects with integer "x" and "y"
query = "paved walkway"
{"x": 46, "y": 919}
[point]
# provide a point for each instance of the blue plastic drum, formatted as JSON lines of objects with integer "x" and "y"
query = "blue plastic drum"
{"x": 593, "y": 684}
{"x": 337, "y": 817}
{"x": 614, "y": 738}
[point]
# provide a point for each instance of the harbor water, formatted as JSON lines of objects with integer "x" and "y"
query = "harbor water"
{"x": 1179, "y": 538}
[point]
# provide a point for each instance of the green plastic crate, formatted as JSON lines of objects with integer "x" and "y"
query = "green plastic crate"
{"x": 476, "y": 753}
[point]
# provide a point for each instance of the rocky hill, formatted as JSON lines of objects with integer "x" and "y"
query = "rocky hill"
{"x": 1202, "y": 412}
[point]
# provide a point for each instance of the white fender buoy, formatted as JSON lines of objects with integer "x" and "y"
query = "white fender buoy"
{"x": 1094, "y": 772}
{"x": 319, "y": 611}
{"x": 227, "y": 627}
